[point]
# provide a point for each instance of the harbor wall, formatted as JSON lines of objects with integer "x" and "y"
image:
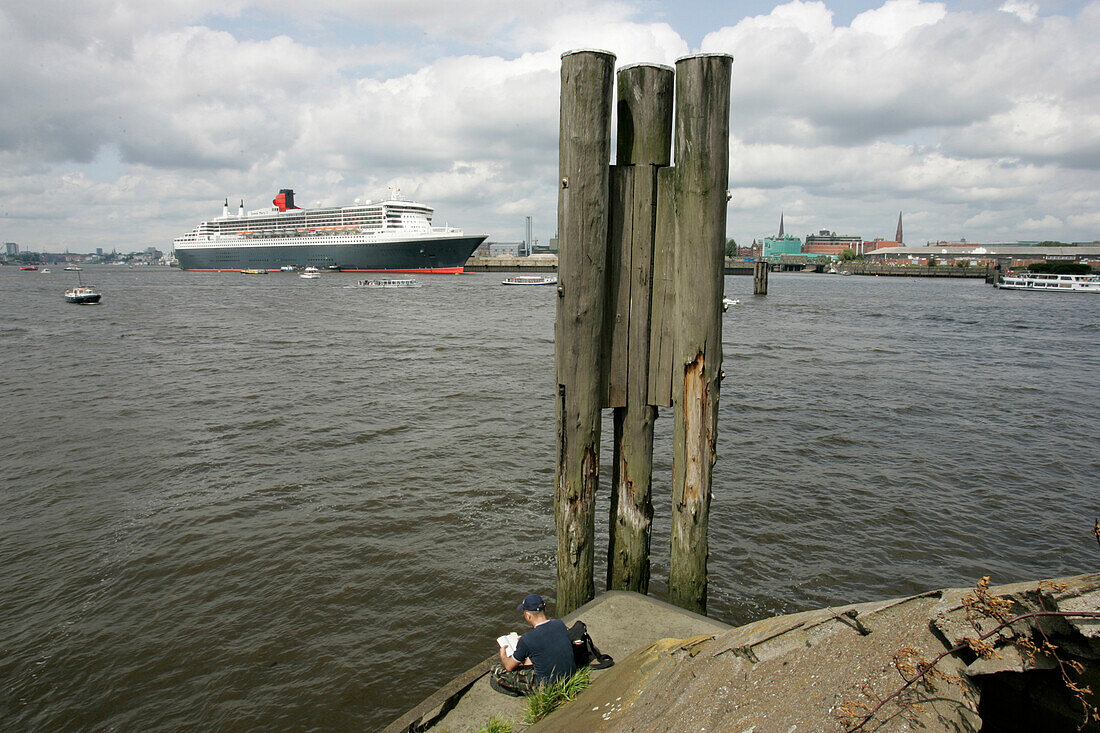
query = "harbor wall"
{"x": 549, "y": 263}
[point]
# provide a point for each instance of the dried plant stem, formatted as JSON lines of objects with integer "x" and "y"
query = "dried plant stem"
{"x": 964, "y": 645}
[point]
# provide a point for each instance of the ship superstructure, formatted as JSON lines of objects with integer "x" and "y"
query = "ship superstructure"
{"x": 392, "y": 235}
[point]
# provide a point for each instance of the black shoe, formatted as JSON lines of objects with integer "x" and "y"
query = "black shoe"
{"x": 502, "y": 689}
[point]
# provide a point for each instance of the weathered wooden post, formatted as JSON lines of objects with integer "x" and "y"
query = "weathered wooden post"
{"x": 700, "y": 182}
{"x": 644, "y": 95}
{"x": 584, "y": 152}
{"x": 760, "y": 278}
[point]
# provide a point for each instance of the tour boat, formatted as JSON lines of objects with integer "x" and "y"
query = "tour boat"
{"x": 1051, "y": 282}
{"x": 390, "y": 283}
{"x": 394, "y": 235}
{"x": 531, "y": 280}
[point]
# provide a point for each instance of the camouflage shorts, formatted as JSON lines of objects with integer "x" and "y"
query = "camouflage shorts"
{"x": 520, "y": 681}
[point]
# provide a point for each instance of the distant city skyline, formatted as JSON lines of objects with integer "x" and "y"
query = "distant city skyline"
{"x": 127, "y": 123}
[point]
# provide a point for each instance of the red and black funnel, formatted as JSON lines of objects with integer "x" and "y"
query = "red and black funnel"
{"x": 285, "y": 199}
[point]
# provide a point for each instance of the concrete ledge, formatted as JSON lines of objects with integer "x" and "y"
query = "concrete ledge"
{"x": 440, "y": 702}
{"x": 620, "y": 623}
{"x": 797, "y": 672}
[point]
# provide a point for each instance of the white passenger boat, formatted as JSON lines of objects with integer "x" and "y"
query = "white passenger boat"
{"x": 531, "y": 280}
{"x": 1051, "y": 282}
{"x": 310, "y": 273}
{"x": 390, "y": 283}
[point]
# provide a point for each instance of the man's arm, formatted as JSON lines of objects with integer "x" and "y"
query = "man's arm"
{"x": 506, "y": 661}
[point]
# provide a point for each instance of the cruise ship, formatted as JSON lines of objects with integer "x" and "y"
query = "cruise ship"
{"x": 393, "y": 235}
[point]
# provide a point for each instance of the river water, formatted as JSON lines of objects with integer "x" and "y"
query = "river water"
{"x": 241, "y": 502}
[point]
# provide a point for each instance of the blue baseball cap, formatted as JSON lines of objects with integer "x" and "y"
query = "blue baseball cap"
{"x": 532, "y": 602}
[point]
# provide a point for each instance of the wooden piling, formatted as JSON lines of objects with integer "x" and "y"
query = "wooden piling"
{"x": 662, "y": 335}
{"x": 644, "y": 105}
{"x": 584, "y": 152}
{"x": 760, "y": 278}
{"x": 699, "y": 226}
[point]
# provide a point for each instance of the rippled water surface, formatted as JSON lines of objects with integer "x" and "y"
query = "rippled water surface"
{"x": 267, "y": 502}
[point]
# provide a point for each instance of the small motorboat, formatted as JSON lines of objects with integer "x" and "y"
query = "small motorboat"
{"x": 29, "y": 268}
{"x": 46, "y": 270}
{"x": 727, "y": 302}
{"x": 288, "y": 268}
{"x": 531, "y": 280}
{"x": 82, "y": 295}
{"x": 310, "y": 273}
{"x": 253, "y": 272}
{"x": 73, "y": 268}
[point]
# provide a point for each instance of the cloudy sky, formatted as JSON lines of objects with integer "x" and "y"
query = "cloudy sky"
{"x": 125, "y": 122}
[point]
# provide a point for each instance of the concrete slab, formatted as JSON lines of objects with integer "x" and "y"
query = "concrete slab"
{"x": 804, "y": 671}
{"x": 620, "y": 623}
{"x": 678, "y": 671}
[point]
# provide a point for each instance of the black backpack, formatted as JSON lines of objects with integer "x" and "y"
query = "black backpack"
{"x": 585, "y": 652}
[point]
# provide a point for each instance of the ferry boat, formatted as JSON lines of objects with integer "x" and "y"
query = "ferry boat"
{"x": 390, "y": 283}
{"x": 531, "y": 280}
{"x": 393, "y": 235}
{"x": 1051, "y": 282}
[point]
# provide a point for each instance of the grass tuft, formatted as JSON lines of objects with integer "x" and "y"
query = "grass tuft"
{"x": 549, "y": 697}
{"x": 496, "y": 725}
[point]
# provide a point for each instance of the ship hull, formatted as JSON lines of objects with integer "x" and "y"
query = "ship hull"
{"x": 83, "y": 299}
{"x": 424, "y": 255}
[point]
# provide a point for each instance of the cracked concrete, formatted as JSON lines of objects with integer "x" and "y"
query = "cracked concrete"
{"x": 678, "y": 671}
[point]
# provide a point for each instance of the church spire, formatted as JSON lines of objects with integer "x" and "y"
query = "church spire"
{"x": 781, "y": 225}
{"x": 897, "y": 237}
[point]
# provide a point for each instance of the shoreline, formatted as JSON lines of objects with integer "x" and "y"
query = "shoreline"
{"x": 548, "y": 263}
{"x": 797, "y": 669}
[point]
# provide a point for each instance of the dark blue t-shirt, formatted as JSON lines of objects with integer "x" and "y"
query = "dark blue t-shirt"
{"x": 550, "y": 651}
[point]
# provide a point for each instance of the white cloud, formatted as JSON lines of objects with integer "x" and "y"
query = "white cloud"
{"x": 897, "y": 19}
{"x": 1026, "y": 12}
{"x": 141, "y": 118}
{"x": 1047, "y": 223}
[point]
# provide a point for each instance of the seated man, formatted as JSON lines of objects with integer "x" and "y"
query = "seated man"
{"x": 544, "y": 654}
